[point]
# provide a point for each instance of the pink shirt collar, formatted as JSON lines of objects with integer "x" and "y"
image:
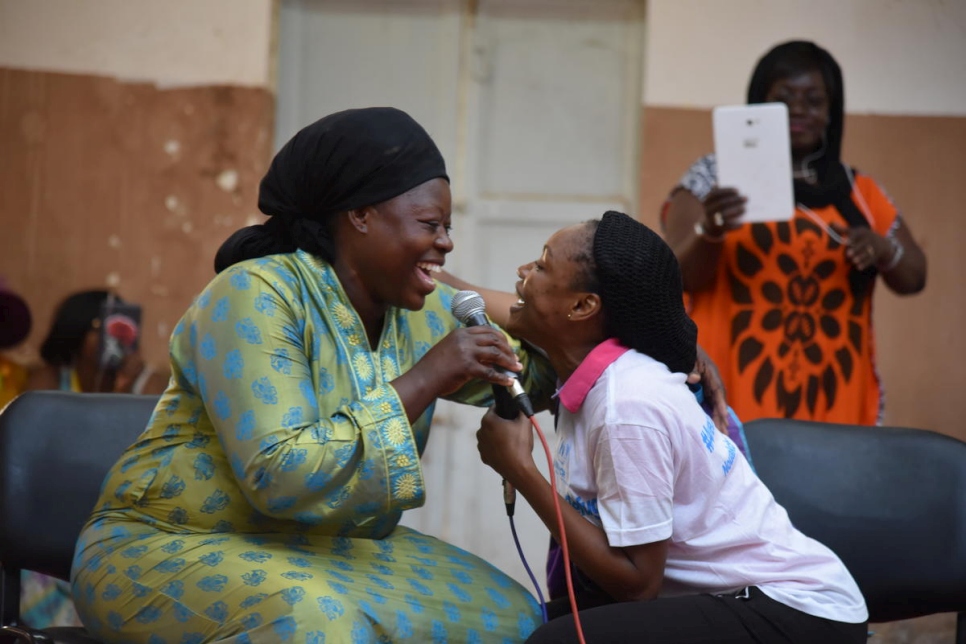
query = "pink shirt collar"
{"x": 575, "y": 390}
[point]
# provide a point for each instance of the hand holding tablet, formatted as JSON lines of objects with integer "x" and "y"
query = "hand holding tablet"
{"x": 753, "y": 153}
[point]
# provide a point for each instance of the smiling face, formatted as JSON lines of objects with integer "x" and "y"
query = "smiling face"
{"x": 551, "y": 287}
{"x": 807, "y": 99}
{"x": 406, "y": 241}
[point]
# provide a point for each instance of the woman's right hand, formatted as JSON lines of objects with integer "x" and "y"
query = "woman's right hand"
{"x": 465, "y": 354}
{"x": 471, "y": 353}
{"x": 695, "y": 229}
{"x": 723, "y": 208}
{"x": 505, "y": 445}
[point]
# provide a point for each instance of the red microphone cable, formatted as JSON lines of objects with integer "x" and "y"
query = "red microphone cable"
{"x": 509, "y": 495}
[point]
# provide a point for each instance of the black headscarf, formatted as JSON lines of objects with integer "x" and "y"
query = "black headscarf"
{"x": 343, "y": 161}
{"x": 640, "y": 286}
{"x": 833, "y": 186}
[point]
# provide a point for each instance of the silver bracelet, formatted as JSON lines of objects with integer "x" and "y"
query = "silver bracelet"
{"x": 897, "y": 251}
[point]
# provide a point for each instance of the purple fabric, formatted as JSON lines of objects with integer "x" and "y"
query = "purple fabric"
{"x": 736, "y": 431}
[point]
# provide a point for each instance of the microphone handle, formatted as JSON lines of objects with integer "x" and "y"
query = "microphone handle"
{"x": 507, "y": 408}
{"x": 504, "y": 405}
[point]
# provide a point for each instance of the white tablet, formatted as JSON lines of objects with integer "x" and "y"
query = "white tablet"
{"x": 754, "y": 155}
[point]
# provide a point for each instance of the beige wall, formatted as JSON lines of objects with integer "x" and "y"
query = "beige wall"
{"x": 134, "y": 136}
{"x": 172, "y": 43}
{"x": 897, "y": 56}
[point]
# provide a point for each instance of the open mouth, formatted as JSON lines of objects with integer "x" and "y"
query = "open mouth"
{"x": 519, "y": 304}
{"x": 425, "y": 272}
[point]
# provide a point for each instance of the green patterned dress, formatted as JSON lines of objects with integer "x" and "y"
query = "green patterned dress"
{"x": 261, "y": 504}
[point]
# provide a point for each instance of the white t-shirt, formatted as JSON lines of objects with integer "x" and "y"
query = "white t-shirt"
{"x": 638, "y": 456}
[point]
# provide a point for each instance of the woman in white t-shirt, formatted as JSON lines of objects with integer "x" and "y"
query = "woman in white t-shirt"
{"x": 671, "y": 535}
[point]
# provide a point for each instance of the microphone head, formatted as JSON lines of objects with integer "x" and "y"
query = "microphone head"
{"x": 467, "y": 305}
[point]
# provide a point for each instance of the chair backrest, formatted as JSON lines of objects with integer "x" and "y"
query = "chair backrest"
{"x": 889, "y": 501}
{"x": 55, "y": 449}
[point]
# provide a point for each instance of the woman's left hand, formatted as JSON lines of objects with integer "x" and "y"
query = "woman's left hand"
{"x": 863, "y": 247}
{"x": 505, "y": 445}
{"x": 706, "y": 373}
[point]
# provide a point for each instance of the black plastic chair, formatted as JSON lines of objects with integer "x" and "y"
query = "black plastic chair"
{"x": 55, "y": 449}
{"x": 889, "y": 501}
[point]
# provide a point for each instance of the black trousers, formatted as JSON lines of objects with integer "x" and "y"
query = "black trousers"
{"x": 746, "y": 618}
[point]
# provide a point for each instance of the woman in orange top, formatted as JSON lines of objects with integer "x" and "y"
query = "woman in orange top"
{"x": 785, "y": 308}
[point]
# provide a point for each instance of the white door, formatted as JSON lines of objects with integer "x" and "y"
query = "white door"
{"x": 535, "y": 105}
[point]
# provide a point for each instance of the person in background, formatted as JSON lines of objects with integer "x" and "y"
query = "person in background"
{"x": 672, "y": 537}
{"x": 72, "y": 353}
{"x": 71, "y": 362}
{"x": 262, "y": 502}
{"x": 15, "y": 324}
{"x": 785, "y": 308}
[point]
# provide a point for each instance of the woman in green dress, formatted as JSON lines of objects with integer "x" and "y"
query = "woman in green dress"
{"x": 262, "y": 502}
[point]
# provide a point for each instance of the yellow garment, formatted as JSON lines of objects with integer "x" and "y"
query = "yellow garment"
{"x": 75, "y": 383}
{"x": 13, "y": 379}
{"x": 264, "y": 496}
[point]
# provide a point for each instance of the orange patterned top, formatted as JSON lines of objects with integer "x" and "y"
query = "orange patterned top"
{"x": 787, "y": 321}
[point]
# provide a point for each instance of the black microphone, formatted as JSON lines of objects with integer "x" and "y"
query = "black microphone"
{"x": 468, "y": 307}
